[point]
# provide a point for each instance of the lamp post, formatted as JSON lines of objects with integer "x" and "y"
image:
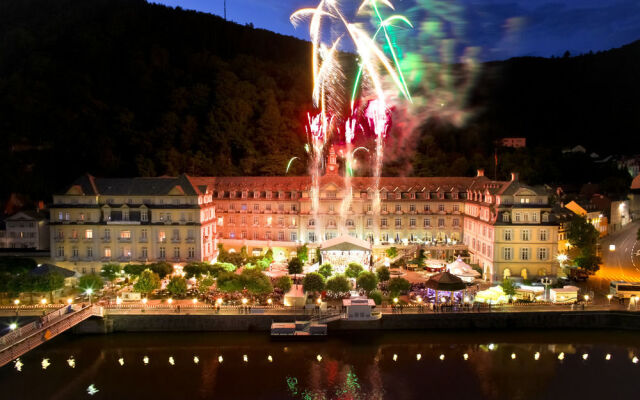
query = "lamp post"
{"x": 546, "y": 281}
{"x": 89, "y": 291}
{"x": 609, "y": 296}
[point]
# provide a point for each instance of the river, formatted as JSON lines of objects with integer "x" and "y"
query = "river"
{"x": 360, "y": 365}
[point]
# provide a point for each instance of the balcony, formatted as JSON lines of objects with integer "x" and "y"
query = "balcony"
{"x": 124, "y": 240}
{"x": 175, "y": 240}
{"x": 106, "y": 239}
{"x": 59, "y": 239}
{"x": 162, "y": 240}
{"x": 190, "y": 240}
{"x": 87, "y": 239}
{"x": 143, "y": 240}
{"x": 73, "y": 239}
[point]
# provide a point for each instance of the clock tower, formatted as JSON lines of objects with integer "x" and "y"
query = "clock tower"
{"x": 332, "y": 162}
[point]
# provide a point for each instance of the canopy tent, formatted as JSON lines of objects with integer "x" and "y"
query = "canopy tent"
{"x": 463, "y": 270}
{"x": 493, "y": 295}
{"x": 445, "y": 281}
{"x": 343, "y": 250}
{"x": 345, "y": 243}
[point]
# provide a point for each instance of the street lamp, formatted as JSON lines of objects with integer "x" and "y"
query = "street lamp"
{"x": 169, "y": 300}
{"x": 219, "y": 301}
{"x": 16, "y": 302}
{"x": 144, "y": 301}
{"x": 546, "y": 282}
{"x": 194, "y": 300}
{"x": 244, "y": 301}
{"x": 586, "y": 298}
{"x": 69, "y": 300}
{"x": 269, "y": 301}
{"x": 609, "y": 297}
{"x": 13, "y": 326}
{"x": 43, "y": 301}
{"x": 89, "y": 291}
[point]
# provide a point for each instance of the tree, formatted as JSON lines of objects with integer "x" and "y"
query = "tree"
{"x": 313, "y": 282}
{"x": 383, "y": 273}
{"x": 111, "y": 271}
{"x": 48, "y": 283}
{"x": 147, "y": 282}
{"x": 367, "y": 281}
{"x": 195, "y": 269}
{"x": 205, "y": 284}
{"x": 392, "y": 252}
{"x": 376, "y": 295}
{"x": 353, "y": 270}
{"x": 302, "y": 253}
{"x": 325, "y": 270}
{"x": 338, "y": 284}
{"x": 162, "y": 269}
{"x": 398, "y": 285}
{"x": 508, "y": 287}
{"x": 269, "y": 255}
{"x": 284, "y": 283}
{"x": 256, "y": 282}
{"x": 134, "y": 269}
{"x": 295, "y": 266}
{"x": 91, "y": 281}
{"x": 228, "y": 282}
{"x": 584, "y": 236}
{"x": 177, "y": 286}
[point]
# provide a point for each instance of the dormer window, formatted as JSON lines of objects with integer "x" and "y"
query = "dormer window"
{"x": 505, "y": 217}
{"x": 256, "y": 195}
{"x": 268, "y": 194}
{"x": 244, "y": 194}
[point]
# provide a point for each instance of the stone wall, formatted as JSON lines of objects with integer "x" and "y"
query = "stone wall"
{"x": 226, "y": 323}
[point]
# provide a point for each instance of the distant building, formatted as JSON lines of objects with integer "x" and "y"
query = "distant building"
{"x": 594, "y": 215}
{"x": 515, "y": 142}
{"x": 26, "y": 230}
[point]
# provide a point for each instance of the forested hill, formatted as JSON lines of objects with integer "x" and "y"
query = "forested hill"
{"x": 122, "y": 88}
{"x": 125, "y": 88}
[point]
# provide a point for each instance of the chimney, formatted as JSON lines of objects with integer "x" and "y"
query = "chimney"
{"x": 514, "y": 176}
{"x": 480, "y": 172}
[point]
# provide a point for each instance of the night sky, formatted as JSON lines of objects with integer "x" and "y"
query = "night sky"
{"x": 501, "y": 28}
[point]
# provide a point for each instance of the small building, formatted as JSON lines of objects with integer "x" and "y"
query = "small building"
{"x": 514, "y": 142}
{"x": 359, "y": 308}
{"x": 27, "y": 230}
{"x": 567, "y": 294}
{"x": 346, "y": 249}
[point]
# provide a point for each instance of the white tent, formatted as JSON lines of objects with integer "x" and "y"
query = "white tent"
{"x": 463, "y": 270}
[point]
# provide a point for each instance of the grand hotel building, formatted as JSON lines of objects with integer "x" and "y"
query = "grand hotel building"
{"x": 505, "y": 225}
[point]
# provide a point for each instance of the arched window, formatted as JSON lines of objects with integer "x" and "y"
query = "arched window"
{"x": 524, "y": 273}
{"x": 312, "y": 222}
{"x": 349, "y": 222}
{"x": 506, "y": 273}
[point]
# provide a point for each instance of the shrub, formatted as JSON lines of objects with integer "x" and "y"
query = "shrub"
{"x": 367, "y": 281}
{"x": 338, "y": 284}
{"x": 313, "y": 282}
{"x": 376, "y": 295}
{"x": 325, "y": 270}
{"x": 353, "y": 270}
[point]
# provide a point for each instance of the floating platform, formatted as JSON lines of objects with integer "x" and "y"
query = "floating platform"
{"x": 299, "y": 330}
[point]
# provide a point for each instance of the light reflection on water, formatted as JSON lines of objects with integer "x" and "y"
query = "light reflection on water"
{"x": 484, "y": 365}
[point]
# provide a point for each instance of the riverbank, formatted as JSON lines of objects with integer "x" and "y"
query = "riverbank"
{"x": 455, "y": 321}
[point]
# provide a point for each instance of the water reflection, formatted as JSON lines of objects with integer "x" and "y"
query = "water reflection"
{"x": 398, "y": 366}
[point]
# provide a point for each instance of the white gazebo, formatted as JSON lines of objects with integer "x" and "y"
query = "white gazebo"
{"x": 463, "y": 270}
{"x": 345, "y": 249}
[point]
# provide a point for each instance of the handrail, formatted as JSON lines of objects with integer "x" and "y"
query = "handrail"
{"x": 46, "y": 332}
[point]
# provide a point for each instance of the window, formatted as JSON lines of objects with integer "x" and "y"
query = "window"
{"x": 256, "y": 235}
{"x": 312, "y": 222}
{"x": 311, "y": 236}
{"x": 412, "y": 207}
{"x": 267, "y": 235}
{"x": 256, "y": 207}
{"x": 281, "y": 236}
{"x": 125, "y": 234}
{"x": 369, "y": 222}
{"x": 280, "y": 221}
{"x": 440, "y": 207}
{"x": 256, "y": 220}
{"x": 74, "y": 252}
{"x": 145, "y": 253}
{"x": 162, "y": 253}
{"x": 507, "y": 235}
{"x": 398, "y": 222}
{"x": 524, "y": 254}
{"x": 331, "y": 207}
{"x": 383, "y": 222}
{"x": 232, "y": 220}
{"x": 412, "y": 222}
{"x": 350, "y": 223}
{"x": 143, "y": 234}
{"x": 517, "y": 217}
{"x": 293, "y": 236}
{"x": 384, "y": 207}
{"x": 456, "y": 222}
{"x": 107, "y": 252}
{"x": 456, "y": 207}
{"x": 280, "y": 207}
{"x": 534, "y": 217}
{"x": 60, "y": 216}
{"x": 542, "y": 254}
{"x": 125, "y": 215}
{"x": 426, "y": 222}
{"x": 107, "y": 234}
{"x": 144, "y": 216}
{"x": 525, "y": 235}
{"x": 543, "y": 235}
{"x": 506, "y": 253}
{"x": 398, "y": 207}
{"x": 191, "y": 252}
{"x": 60, "y": 252}
{"x": 440, "y": 222}
{"x": 89, "y": 252}
{"x": 88, "y": 234}
{"x": 427, "y": 207}
{"x": 243, "y": 235}
{"x": 176, "y": 252}
{"x": 162, "y": 236}
{"x": 505, "y": 217}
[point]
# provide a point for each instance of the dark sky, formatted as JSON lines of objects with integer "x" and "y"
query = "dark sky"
{"x": 501, "y": 28}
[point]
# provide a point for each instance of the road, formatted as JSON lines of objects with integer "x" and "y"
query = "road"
{"x": 624, "y": 262}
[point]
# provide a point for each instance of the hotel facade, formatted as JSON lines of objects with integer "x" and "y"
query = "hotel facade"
{"x": 504, "y": 225}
